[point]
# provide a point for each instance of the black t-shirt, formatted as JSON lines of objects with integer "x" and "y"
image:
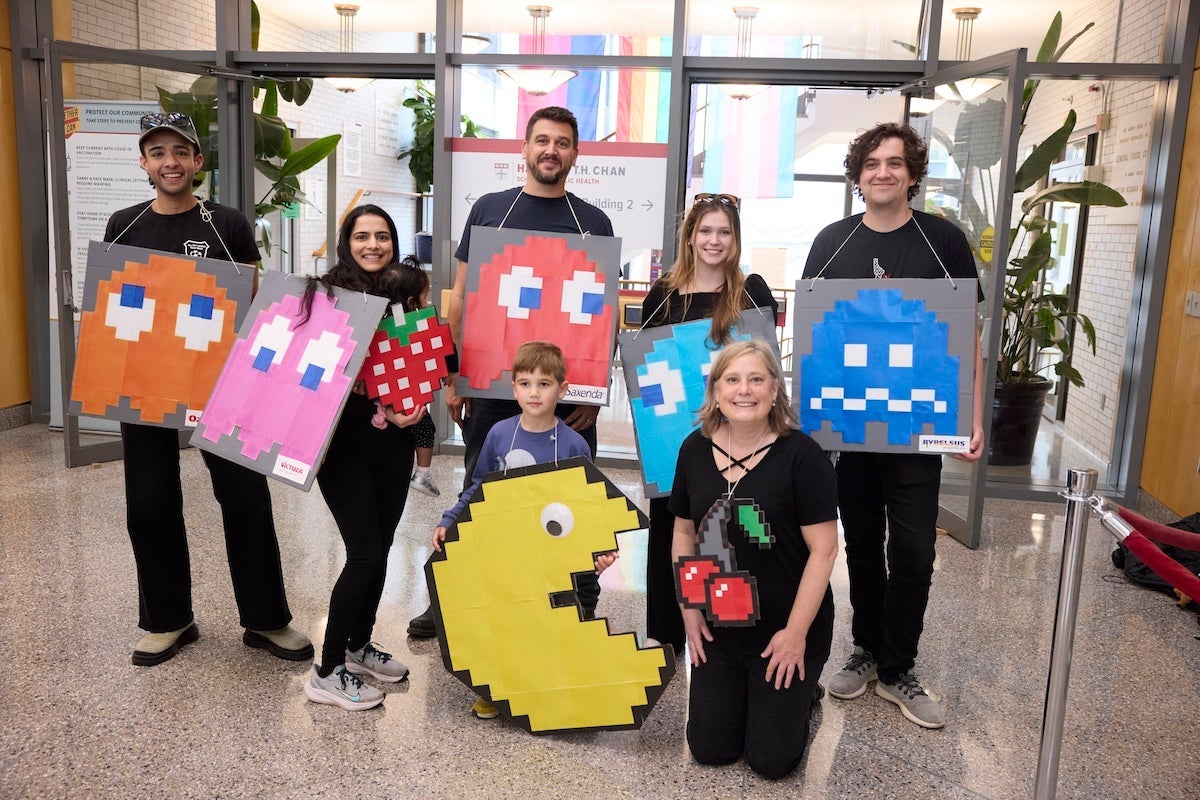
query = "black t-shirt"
{"x": 699, "y": 305}
{"x": 229, "y": 236}
{"x": 902, "y": 253}
{"x": 532, "y": 213}
{"x": 794, "y": 484}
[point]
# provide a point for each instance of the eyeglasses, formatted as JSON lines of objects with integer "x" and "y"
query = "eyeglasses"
{"x": 156, "y": 119}
{"x": 723, "y": 199}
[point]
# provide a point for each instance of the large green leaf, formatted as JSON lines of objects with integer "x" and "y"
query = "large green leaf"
{"x": 255, "y": 25}
{"x": 310, "y": 155}
{"x": 1086, "y": 193}
{"x": 272, "y": 139}
{"x": 1037, "y": 165}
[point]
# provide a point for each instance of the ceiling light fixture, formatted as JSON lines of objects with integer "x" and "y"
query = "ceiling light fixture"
{"x": 745, "y": 30}
{"x": 474, "y": 44}
{"x": 346, "y": 13}
{"x": 971, "y": 88}
{"x": 538, "y": 80}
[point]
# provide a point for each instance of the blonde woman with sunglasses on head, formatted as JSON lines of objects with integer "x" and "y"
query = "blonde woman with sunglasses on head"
{"x": 705, "y": 282}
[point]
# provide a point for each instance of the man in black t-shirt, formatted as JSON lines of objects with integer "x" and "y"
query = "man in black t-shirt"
{"x": 542, "y": 204}
{"x": 892, "y": 494}
{"x": 176, "y": 221}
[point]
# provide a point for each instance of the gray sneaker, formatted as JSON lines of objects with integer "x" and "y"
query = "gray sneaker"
{"x": 423, "y": 483}
{"x": 914, "y": 702}
{"x": 852, "y": 680}
{"x": 372, "y": 661}
{"x": 341, "y": 688}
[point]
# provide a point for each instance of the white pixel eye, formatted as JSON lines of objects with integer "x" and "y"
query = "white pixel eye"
{"x": 130, "y": 313}
{"x": 900, "y": 355}
{"x": 583, "y": 297}
{"x": 520, "y": 292}
{"x": 270, "y": 343}
{"x": 199, "y": 322}
{"x": 320, "y": 360}
{"x": 557, "y": 520}
{"x": 661, "y": 388}
{"x": 855, "y": 355}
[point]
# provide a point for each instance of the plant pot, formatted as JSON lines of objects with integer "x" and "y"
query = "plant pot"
{"x": 1016, "y": 415}
{"x": 425, "y": 248}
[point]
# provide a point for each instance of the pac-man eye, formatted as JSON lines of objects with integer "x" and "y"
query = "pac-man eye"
{"x": 661, "y": 388}
{"x": 520, "y": 292}
{"x": 557, "y": 520}
{"x": 320, "y": 360}
{"x": 130, "y": 313}
{"x": 270, "y": 343}
{"x": 199, "y": 323}
{"x": 583, "y": 297}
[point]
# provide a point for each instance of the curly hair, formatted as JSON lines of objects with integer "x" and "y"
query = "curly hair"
{"x": 782, "y": 417}
{"x": 916, "y": 153}
{"x": 731, "y": 300}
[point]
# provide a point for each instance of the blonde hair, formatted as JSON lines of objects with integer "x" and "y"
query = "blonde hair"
{"x": 540, "y": 356}
{"x": 731, "y": 299}
{"x": 781, "y": 419}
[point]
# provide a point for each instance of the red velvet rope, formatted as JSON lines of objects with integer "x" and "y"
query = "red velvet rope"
{"x": 1164, "y": 534}
{"x": 1171, "y": 570}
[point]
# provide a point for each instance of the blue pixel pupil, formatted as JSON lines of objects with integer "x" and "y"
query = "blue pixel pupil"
{"x": 202, "y": 306}
{"x": 312, "y": 376}
{"x": 531, "y": 297}
{"x": 132, "y": 295}
{"x": 592, "y": 303}
{"x": 652, "y": 395}
{"x": 262, "y": 361}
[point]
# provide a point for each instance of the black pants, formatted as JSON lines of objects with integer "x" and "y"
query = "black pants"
{"x": 364, "y": 480}
{"x": 894, "y": 494}
{"x": 733, "y": 712}
{"x": 154, "y": 514}
{"x": 664, "y": 621}
{"x": 486, "y": 412}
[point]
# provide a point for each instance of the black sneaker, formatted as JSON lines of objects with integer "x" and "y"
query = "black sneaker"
{"x": 422, "y": 627}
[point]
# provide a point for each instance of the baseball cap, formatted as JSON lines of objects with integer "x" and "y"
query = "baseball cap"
{"x": 175, "y": 121}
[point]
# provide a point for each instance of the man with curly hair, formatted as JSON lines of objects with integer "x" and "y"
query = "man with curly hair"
{"x": 888, "y": 502}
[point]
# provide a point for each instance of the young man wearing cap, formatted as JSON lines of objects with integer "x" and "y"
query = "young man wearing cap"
{"x": 177, "y": 221}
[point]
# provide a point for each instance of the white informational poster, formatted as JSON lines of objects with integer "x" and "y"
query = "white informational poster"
{"x": 351, "y": 147}
{"x": 103, "y": 175}
{"x": 624, "y": 180}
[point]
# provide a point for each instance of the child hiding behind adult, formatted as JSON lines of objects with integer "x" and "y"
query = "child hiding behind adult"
{"x": 413, "y": 283}
{"x": 364, "y": 480}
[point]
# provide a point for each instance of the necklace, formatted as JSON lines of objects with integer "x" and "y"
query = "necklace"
{"x": 731, "y": 487}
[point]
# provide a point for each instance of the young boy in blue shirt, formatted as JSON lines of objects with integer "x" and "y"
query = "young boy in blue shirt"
{"x": 535, "y": 436}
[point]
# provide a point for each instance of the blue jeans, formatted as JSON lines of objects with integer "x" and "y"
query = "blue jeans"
{"x": 889, "y": 507}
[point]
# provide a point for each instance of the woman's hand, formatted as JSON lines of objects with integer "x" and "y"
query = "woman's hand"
{"x": 786, "y": 654}
{"x": 457, "y": 406}
{"x": 697, "y": 633}
{"x": 403, "y": 420}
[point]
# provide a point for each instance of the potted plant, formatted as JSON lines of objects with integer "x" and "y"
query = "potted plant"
{"x": 1033, "y": 319}
{"x": 420, "y": 156}
{"x": 273, "y": 154}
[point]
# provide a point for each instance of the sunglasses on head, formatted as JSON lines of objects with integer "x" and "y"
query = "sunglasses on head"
{"x": 723, "y": 199}
{"x": 157, "y": 120}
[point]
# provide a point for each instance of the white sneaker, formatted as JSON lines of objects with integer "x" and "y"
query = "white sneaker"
{"x": 372, "y": 661}
{"x": 341, "y": 688}
{"x": 423, "y": 483}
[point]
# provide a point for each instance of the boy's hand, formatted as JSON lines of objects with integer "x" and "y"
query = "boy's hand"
{"x": 439, "y": 536}
{"x": 606, "y": 560}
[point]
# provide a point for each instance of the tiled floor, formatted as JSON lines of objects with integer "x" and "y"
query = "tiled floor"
{"x": 221, "y": 720}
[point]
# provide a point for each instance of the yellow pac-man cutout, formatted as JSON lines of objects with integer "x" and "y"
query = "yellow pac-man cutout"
{"x": 505, "y": 563}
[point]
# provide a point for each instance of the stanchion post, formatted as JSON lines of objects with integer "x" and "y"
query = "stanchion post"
{"x": 1081, "y": 484}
